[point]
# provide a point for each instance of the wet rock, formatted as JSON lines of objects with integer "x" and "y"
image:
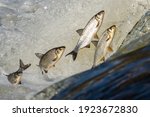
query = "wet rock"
{"x": 138, "y": 37}
{"x": 141, "y": 28}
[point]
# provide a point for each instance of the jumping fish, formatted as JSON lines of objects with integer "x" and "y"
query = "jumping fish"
{"x": 15, "y": 77}
{"x": 50, "y": 58}
{"x": 103, "y": 46}
{"x": 88, "y": 33}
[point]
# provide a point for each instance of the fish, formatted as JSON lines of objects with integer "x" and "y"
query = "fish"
{"x": 50, "y": 58}
{"x": 103, "y": 46}
{"x": 88, "y": 33}
{"x": 15, "y": 77}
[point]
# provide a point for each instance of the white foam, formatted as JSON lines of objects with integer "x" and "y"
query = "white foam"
{"x": 30, "y": 26}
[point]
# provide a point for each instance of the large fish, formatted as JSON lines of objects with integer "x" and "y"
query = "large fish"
{"x": 50, "y": 58}
{"x": 103, "y": 46}
{"x": 15, "y": 77}
{"x": 88, "y": 33}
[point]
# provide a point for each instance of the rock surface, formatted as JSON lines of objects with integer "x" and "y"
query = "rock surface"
{"x": 138, "y": 37}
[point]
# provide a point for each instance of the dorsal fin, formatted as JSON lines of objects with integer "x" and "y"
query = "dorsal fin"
{"x": 39, "y": 55}
{"x": 79, "y": 31}
{"x": 96, "y": 36}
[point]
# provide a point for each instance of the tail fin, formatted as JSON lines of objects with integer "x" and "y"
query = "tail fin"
{"x": 22, "y": 66}
{"x": 74, "y": 55}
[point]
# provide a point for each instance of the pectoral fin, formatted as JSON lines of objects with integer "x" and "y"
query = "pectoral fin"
{"x": 108, "y": 37}
{"x": 55, "y": 58}
{"x": 88, "y": 46}
{"x": 46, "y": 71}
{"x": 95, "y": 42}
{"x": 39, "y": 55}
{"x": 79, "y": 31}
{"x": 110, "y": 49}
{"x": 96, "y": 36}
{"x": 20, "y": 82}
{"x": 101, "y": 59}
{"x": 97, "y": 25}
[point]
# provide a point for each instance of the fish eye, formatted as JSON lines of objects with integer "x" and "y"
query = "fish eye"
{"x": 57, "y": 51}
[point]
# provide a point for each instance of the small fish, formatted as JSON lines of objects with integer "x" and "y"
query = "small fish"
{"x": 88, "y": 33}
{"x": 15, "y": 77}
{"x": 50, "y": 58}
{"x": 103, "y": 45}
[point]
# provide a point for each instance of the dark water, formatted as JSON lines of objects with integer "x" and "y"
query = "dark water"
{"x": 126, "y": 77}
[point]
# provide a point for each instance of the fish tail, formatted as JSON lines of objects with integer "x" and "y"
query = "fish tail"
{"x": 22, "y": 66}
{"x": 74, "y": 55}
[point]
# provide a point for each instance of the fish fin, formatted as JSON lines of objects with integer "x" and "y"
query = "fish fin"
{"x": 88, "y": 46}
{"x": 22, "y": 66}
{"x": 74, "y": 55}
{"x": 95, "y": 43}
{"x": 97, "y": 25}
{"x": 39, "y": 55}
{"x": 110, "y": 49}
{"x": 55, "y": 58}
{"x": 108, "y": 37}
{"x": 20, "y": 82}
{"x": 21, "y": 63}
{"x": 93, "y": 67}
{"x": 46, "y": 71}
{"x": 96, "y": 36}
{"x": 79, "y": 31}
{"x": 101, "y": 59}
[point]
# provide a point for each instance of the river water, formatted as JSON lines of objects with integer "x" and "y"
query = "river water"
{"x": 30, "y": 26}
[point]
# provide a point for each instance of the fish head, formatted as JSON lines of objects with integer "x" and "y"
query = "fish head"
{"x": 111, "y": 30}
{"x": 59, "y": 51}
{"x": 99, "y": 16}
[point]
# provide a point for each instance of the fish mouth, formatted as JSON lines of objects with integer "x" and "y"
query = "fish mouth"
{"x": 113, "y": 27}
{"x": 101, "y": 12}
{"x": 100, "y": 15}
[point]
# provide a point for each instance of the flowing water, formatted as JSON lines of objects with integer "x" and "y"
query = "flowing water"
{"x": 30, "y": 26}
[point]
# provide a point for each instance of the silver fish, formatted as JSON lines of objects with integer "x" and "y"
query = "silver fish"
{"x": 50, "y": 58}
{"x": 15, "y": 77}
{"x": 88, "y": 33}
{"x": 103, "y": 46}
